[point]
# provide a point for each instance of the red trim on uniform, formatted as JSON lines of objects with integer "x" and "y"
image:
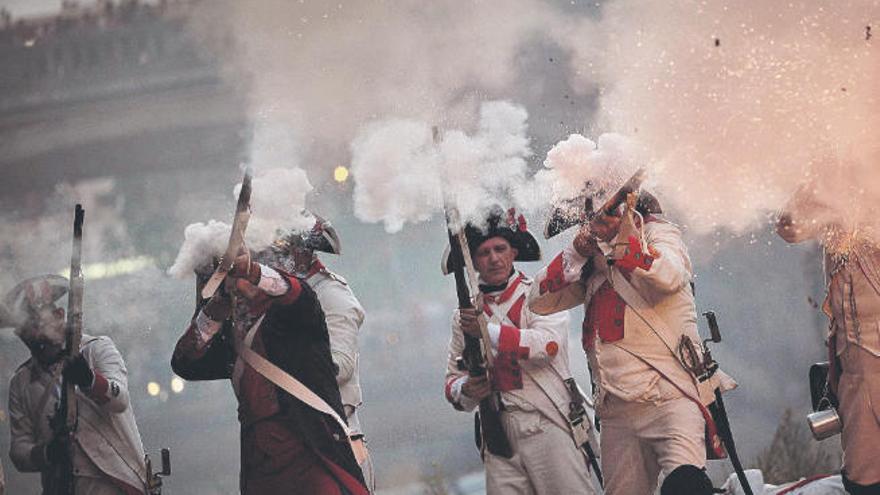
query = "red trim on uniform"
{"x": 293, "y": 294}
{"x": 555, "y": 278}
{"x": 508, "y": 341}
{"x": 316, "y": 267}
{"x": 714, "y": 447}
{"x": 349, "y": 483}
{"x": 803, "y": 482}
{"x": 507, "y": 294}
{"x": 487, "y": 309}
{"x": 605, "y": 316}
{"x": 100, "y": 387}
{"x": 506, "y": 375}
{"x": 448, "y": 391}
{"x": 634, "y": 257}
{"x": 514, "y": 314}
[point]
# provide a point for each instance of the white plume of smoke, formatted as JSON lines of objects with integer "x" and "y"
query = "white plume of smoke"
{"x": 739, "y": 103}
{"x": 278, "y": 198}
{"x": 201, "y": 243}
{"x": 402, "y": 176}
{"x": 606, "y": 164}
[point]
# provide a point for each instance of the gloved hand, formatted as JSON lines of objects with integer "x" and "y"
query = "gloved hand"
{"x": 244, "y": 268}
{"x": 77, "y": 370}
{"x": 585, "y": 243}
{"x": 245, "y": 276}
{"x": 58, "y": 449}
{"x": 219, "y": 307}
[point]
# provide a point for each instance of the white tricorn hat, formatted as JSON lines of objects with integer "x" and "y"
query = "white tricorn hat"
{"x": 27, "y": 298}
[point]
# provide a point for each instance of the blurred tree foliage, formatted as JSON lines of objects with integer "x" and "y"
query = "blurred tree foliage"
{"x": 794, "y": 454}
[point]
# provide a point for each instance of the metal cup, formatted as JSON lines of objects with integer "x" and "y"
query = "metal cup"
{"x": 824, "y": 424}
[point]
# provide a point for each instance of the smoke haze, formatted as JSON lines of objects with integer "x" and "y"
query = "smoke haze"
{"x": 739, "y": 104}
{"x": 532, "y": 97}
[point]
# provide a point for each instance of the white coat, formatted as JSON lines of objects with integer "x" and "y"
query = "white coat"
{"x": 106, "y": 433}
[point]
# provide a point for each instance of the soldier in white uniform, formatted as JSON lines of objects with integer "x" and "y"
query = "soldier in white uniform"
{"x": 531, "y": 364}
{"x": 344, "y": 315}
{"x": 852, "y": 273}
{"x": 637, "y": 313}
{"x": 108, "y": 457}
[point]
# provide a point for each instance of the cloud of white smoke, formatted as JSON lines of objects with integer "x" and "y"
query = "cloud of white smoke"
{"x": 606, "y": 164}
{"x": 739, "y": 103}
{"x": 278, "y": 197}
{"x": 403, "y": 176}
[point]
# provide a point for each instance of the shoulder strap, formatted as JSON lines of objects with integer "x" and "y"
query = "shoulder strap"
{"x": 658, "y": 326}
{"x": 643, "y": 310}
{"x": 285, "y": 380}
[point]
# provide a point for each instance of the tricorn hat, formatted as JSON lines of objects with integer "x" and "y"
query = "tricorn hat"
{"x": 27, "y": 298}
{"x": 508, "y": 225}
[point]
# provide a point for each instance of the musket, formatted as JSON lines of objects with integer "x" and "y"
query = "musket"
{"x": 236, "y": 237}
{"x": 581, "y": 210}
{"x": 717, "y": 409}
{"x": 64, "y": 421}
{"x": 475, "y": 359}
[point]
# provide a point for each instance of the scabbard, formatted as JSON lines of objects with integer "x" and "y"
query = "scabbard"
{"x": 719, "y": 414}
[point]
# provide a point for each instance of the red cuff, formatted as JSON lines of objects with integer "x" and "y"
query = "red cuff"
{"x": 100, "y": 387}
{"x": 555, "y": 278}
{"x": 634, "y": 257}
{"x": 262, "y": 302}
{"x": 448, "y": 391}
{"x": 508, "y": 341}
{"x": 293, "y": 294}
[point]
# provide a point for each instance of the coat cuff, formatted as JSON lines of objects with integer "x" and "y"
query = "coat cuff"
{"x": 206, "y": 328}
{"x": 99, "y": 390}
{"x": 272, "y": 282}
{"x": 454, "y": 395}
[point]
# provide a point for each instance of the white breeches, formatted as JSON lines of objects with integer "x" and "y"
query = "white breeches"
{"x": 545, "y": 459}
{"x": 641, "y": 440}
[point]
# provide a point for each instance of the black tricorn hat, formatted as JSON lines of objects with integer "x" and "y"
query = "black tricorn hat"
{"x": 508, "y": 225}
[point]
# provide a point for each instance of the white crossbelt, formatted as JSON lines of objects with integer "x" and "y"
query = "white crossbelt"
{"x": 297, "y": 389}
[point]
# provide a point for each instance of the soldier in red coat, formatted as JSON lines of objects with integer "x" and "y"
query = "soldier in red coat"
{"x": 286, "y": 446}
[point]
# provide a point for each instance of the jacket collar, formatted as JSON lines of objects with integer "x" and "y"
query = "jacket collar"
{"x": 502, "y": 295}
